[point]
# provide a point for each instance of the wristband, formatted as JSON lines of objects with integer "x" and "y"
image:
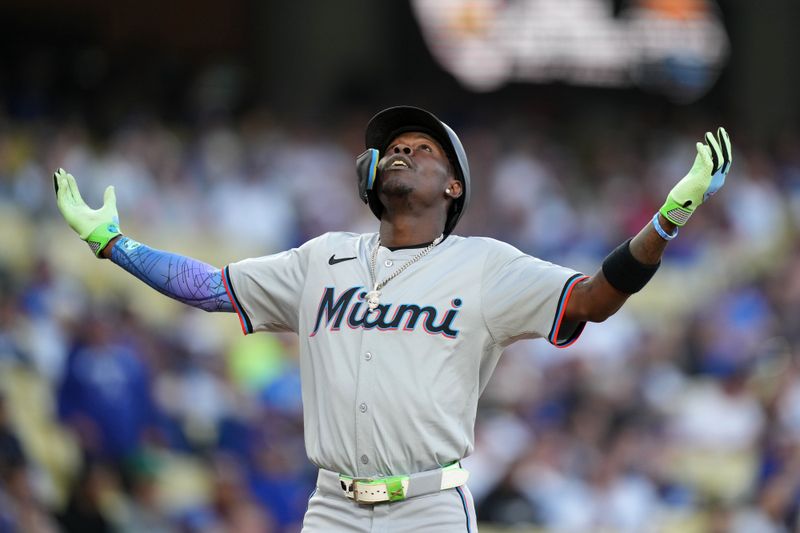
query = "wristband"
{"x": 664, "y": 235}
{"x": 100, "y": 236}
{"x": 624, "y": 272}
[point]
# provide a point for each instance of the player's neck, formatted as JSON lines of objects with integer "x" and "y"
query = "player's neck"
{"x": 402, "y": 231}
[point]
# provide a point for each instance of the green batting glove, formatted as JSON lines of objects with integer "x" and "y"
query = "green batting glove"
{"x": 95, "y": 226}
{"x": 707, "y": 175}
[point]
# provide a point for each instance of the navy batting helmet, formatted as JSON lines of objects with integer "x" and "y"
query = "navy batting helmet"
{"x": 390, "y": 123}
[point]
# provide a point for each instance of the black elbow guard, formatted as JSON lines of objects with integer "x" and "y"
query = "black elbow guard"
{"x": 624, "y": 272}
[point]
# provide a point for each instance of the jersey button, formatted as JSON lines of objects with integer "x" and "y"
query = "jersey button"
{"x": 364, "y": 459}
{"x": 388, "y": 263}
{"x": 362, "y": 408}
{"x": 368, "y": 356}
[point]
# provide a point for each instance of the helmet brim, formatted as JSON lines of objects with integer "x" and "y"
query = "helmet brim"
{"x": 389, "y": 123}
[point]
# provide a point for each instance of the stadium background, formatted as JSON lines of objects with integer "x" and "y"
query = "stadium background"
{"x": 231, "y": 132}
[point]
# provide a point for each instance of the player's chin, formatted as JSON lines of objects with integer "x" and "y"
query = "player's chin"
{"x": 396, "y": 184}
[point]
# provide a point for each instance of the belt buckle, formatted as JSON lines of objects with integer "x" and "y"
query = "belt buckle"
{"x": 350, "y": 486}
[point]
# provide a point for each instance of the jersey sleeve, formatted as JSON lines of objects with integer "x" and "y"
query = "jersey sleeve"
{"x": 266, "y": 291}
{"x": 524, "y": 298}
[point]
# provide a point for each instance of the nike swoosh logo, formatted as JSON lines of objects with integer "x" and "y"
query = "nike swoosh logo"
{"x": 333, "y": 260}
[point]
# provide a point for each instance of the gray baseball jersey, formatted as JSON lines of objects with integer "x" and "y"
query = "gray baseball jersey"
{"x": 395, "y": 390}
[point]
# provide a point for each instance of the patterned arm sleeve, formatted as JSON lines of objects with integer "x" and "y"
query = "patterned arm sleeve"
{"x": 185, "y": 279}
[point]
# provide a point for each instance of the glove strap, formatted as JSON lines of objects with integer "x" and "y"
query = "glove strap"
{"x": 99, "y": 237}
{"x": 674, "y": 212}
{"x": 664, "y": 235}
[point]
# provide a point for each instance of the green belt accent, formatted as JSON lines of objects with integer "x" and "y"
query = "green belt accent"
{"x": 394, "y": 487}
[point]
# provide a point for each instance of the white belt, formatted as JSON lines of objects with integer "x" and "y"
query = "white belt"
{"x": 395, "y": 488}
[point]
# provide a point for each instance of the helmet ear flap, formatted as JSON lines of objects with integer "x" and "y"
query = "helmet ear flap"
{"x": 367, "y": 170}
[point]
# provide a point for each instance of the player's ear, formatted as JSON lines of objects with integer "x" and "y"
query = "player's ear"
{"x": 454, "y": 189}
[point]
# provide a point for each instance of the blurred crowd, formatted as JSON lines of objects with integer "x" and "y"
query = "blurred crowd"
{"x": 123, "y": 411}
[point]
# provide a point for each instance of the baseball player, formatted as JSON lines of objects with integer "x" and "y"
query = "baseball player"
{"x": 401, "y": 329}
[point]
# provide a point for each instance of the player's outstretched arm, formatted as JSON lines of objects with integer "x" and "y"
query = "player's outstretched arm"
{"x": 185, "y": 279}
{"x": 628, "y": 268}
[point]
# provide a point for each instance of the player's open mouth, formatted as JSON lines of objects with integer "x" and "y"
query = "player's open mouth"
{"x": 398, "y": 162}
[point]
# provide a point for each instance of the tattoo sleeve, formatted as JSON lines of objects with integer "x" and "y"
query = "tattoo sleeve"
{"x": 182, "y": 278}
